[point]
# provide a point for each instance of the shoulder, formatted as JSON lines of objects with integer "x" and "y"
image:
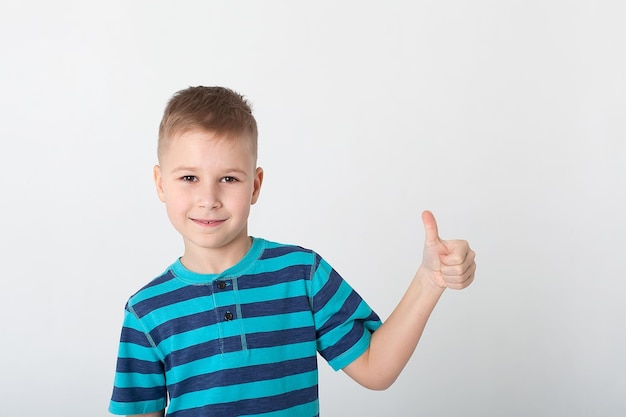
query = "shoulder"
{"x": 275, "y": 249}
{"x": 155, "y": 287}
{"x": 289, "y": 253}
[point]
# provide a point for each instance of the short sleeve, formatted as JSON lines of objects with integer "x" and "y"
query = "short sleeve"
{"x": 343, "y": 320}
{"x": 139, "y": 385}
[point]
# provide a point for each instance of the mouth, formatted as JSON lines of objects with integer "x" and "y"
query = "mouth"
{"x": 203, "y": 222}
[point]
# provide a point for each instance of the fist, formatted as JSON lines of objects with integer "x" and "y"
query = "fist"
{"x": 449, "y": 263}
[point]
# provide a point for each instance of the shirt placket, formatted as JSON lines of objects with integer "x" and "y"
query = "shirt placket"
{"x": 228, "y": 312}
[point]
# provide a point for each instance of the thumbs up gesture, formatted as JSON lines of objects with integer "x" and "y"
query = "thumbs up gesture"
{"x": 449, "y": 263}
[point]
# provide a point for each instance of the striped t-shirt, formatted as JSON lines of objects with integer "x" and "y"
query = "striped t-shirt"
{"x": 241, "y": 343}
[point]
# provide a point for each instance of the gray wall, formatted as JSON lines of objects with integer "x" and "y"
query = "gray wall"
{"x": 506, "y": 119}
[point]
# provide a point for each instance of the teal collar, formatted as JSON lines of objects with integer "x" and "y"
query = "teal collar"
{"x": 240, "y": 268}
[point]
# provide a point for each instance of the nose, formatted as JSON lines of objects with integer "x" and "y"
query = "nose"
{"x": 207, "y": 196}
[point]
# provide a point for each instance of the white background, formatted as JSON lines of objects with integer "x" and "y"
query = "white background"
{"x": 507, "y": 119}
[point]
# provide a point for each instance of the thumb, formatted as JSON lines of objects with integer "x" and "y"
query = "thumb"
{"x": 430, "y": 227}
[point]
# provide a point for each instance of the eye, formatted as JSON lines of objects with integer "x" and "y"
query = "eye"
{"x": 228, "y": 179}
{"x": 189, "y": 178}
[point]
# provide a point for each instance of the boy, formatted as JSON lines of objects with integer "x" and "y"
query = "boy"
{"x": 233, "y": 327}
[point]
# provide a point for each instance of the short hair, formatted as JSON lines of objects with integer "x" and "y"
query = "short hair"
{"x": 218, "y": 110}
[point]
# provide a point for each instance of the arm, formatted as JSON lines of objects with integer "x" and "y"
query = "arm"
{"x": 446, "y": 264}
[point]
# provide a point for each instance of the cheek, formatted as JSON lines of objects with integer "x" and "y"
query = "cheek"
{"x": 176, "y": 201}
{"x": 242, "y": 201}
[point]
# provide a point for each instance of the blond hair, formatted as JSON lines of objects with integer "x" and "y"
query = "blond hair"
{"x": 213, "y": 109}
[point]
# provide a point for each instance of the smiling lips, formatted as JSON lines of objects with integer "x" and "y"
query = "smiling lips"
{"x": 202, "y": 222}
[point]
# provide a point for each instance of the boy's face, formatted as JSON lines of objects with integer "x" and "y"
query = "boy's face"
{"x": 208, "y": 184}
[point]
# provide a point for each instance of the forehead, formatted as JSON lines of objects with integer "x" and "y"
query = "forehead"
{"x": 197, "y": 142}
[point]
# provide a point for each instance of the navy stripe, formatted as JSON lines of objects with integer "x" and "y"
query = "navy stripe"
{"x": 133, "y": 336}
{"x": 280, "y": 251}
{"x": 203, "y": 350}
{"x": 190, "y": 292}
{"x": 345, "y": 343}
{"x": 266, "y": 279}
{"x": 373, "y": 317}
{"x": 243, "y": 375}
{"x": 131, "y": 395}
{"x": 167, "y": 275}
{"x": 204, "y": 319}
{"x": 183, "y": 324}
{"x": 276, "y": 307}
{"x": 233, "y": 344}
{"x": 316, "y": 262}
{"x": 281, "y": 337}
{"x": 139, "y": 366}
{"x": 253, "y": 406}
{"x": 327, "y": 292}
{"x": 289, "y": 274}
{"x": 347, "y": 310}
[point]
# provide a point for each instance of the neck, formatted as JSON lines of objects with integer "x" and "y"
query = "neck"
{"x": 215, "y": 260}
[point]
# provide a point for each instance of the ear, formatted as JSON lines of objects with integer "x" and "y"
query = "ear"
{"x": 258, "y": 181}
{"x": 158, "y": 181}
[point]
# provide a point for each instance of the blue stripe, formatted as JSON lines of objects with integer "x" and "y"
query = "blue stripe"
{"x": 348, "y": 308}
{"x": 281, "y": 337}
{"x": 253, "y": 406}
{"x": 252, "y": 358}
{"x": 134, "y": 380}
{"x": 202, "y": 351}
{"x": 305, "y": 410}
{"x": 233, "y": 344}
{"x": 186, "y": 308}
{"x": 190, "y": 292}
{"x": 274, "y": 323}
{"x": 182, "y": 324}
{"x": 326, "y": 293}
{"x": 279, "y": 251}
{"x": 131, "y": 350}
{"x": 345, "y": 343}
{"x": 126, "y": 365}
{"x": 233, "y": 393}
{"x": 130, "y": 395}
{"x": 371, "y": 319}
{"x": 282, "y": 290}
{"x": 160, "y": 285}
{"x": 209, "y": 318}
{"x": 266, "y": 279}
{"x": 316, "y": 262}
{"x": 276, "y": 307}
{"x": 134, "y": 336}
{"x": 139, "y": 407}
{"x": 167, "y": 275}
{"x": 258, "y": 324}
{"x": 243, "y": 375}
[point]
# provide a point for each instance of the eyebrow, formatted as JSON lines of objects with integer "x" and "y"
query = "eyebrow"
{"x": 193, "y": 169}
{"x": 183, "y": 169}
